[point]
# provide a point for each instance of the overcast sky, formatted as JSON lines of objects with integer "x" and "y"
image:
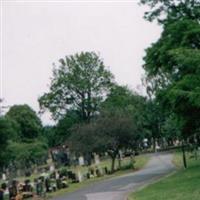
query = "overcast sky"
{"x": 38, "y": 33}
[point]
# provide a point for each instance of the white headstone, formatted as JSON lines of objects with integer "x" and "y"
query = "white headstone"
{"x": 52, "y": 168}
{"x": 145, "y": 142}
{"x": 4, "y": 177}
{"x": 81, "y": 160}
{"x": 96, "y": 159}
{"x": 79, "y": 176}
{"x": 157, "y": 146}
{"x": 57, "y": 175}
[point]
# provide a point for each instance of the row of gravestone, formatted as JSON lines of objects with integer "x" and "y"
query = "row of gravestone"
{"x": 55, "y": 181}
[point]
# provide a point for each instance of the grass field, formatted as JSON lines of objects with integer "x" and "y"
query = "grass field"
{"x": 183, "y": 185}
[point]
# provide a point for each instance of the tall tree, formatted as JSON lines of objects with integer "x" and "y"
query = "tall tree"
{"x": 29, "y": 124}
{"x": 169, "y": 59}
{"x": 173, "y": 70}
{"x": 172, "y": 63}
{"x": 80, "y": 83}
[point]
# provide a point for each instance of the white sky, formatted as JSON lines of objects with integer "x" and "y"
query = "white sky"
{"x": 37, "y": 33}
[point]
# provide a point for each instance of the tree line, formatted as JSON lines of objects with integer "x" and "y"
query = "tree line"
{"x": 93, "y": 114}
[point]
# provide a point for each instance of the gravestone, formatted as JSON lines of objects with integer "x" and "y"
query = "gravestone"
{"x": 52, "y": 168}
{"x": 81, "y": 160}
{"x": 96, "y": 159}
{"x": 4, "y": 177}
{"x": 80, "y": 178}
{"x": 145, "y": 142}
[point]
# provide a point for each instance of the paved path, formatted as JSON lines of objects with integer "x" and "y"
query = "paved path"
{"x": 117, "y": 188}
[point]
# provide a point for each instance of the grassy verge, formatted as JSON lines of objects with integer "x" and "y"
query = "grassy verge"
{"x": 183, "y": 185}
{"x": 140, "y": 162}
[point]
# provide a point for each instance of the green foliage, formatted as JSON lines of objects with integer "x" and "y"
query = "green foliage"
{"x": 172, "y": 127}
{"x": 83, "y": 139}
{"x": 59, "y": 134}
{"x": 169, "y": 59}
{"x": 48, "y": 134}
{"x": 63, "y": 128}
{"x": 171, "y": 10}
{"x": 121, "y": 98}
{"x": 6, "y": 133}
{"x": 172, "y": 64}
{"x": 22, "y": 144}
{"x": 116, "y": 130}
{"x": 26, "y": 120}
{"x": 154, "y": 119}
{"x": 25, "y": 155}
{"x": 183, "y": 97}
{"x": 79, "y": 83}
{"x": 111, "y": 132}
{"x": 183, "y": 94}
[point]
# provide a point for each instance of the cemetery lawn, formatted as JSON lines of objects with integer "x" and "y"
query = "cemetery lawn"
{"x": 141, "y": 161}
{"x": 182, "y": 185}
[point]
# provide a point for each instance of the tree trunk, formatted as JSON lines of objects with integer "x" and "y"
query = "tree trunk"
{"x": 184, "y": 156}
{"x": 195, "y": 147}
{"x": 196, "y": 152}
{"x": 132, "y": 160}
{"x": 154, "y": 145}
{"x": 119, "y": 161}
{"x": 113, "y": 164}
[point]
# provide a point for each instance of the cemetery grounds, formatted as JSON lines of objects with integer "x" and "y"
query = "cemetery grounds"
{"x": 126, "y": 167}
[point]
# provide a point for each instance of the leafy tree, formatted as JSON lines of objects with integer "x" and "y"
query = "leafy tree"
{"x": 172, "y": 63}
{"x": 117, "y": 131}
{"x": 171, "y": 10}
{"x": 80, "y": 83}
{"x": 125, "y": 100}
{"x": 183, "y": 98}
{"x": 182, "y": 93}
{"x": 172, "y": 70}
{"x": 110, "y": 133}
{"x": 6, "y": 133}
{"x": 28, "y": 123}
{"x": 25, "y": 155}
{"x": 164, "y": 59}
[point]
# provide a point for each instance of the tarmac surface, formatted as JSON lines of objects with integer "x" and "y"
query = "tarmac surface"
{"x": 117, "y": 188}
